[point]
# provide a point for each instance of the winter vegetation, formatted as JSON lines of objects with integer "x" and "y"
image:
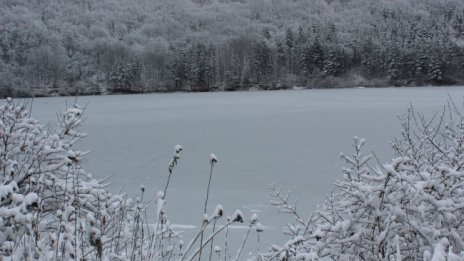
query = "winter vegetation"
{"x": 51, "y": 209}
{"x": 68, "y": 47}
{"x": 408, "y": 209}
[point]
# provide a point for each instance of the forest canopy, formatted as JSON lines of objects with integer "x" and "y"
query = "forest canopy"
{"x": 50, "y": 47}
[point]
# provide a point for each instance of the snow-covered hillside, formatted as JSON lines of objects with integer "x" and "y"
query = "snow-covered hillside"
{"x": 53, "y": 47}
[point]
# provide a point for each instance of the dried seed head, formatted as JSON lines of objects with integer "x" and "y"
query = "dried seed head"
{"x": 254, "y": 219}
{"x": 259, "y": 228}
{"x": 213, "y": 158}
{"x": 237, "y": 216}
{"x": 178, "y": 148}
{"x": 219, "y": 211}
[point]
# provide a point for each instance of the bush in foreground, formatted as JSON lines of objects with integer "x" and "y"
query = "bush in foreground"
{"x": 409, "y": 209}
{"x": 51, "y": 209}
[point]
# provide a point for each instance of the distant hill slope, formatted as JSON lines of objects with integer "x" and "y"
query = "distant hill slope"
{"x": 50, "y": 47}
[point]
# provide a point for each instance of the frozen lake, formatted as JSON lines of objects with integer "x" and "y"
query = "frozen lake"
{"x": 291, "y": 138}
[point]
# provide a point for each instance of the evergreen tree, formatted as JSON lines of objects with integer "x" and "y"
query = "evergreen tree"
{"x": 290, "y": 43}
{"x": 435, "y": 73}
{"x": 333, "y": 63}
{"x": 317, "y": 54}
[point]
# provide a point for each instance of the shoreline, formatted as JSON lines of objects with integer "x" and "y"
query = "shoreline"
{"x": 251, "y": 89}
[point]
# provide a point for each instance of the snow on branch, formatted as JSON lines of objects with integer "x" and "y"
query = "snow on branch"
{"x": 405, "y": 209}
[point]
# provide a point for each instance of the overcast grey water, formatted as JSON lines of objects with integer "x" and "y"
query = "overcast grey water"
{"x": 291, "y": 138}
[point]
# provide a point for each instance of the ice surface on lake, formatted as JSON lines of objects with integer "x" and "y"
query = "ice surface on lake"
{"x": 291, "y": 138}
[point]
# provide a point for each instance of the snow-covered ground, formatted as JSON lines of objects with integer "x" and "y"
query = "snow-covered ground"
{"x": 292, "y": 138}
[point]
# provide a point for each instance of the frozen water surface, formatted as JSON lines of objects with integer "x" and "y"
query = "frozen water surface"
{"x": 291, "y": 138}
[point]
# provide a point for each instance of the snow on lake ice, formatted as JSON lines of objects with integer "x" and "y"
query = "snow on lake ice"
{"x": 291, "y": 138}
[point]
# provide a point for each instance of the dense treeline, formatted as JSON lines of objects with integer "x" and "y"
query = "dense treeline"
{"x": 50, "y": 47}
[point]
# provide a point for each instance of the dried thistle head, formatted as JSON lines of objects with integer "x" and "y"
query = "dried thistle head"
{"x": 259, "y": 228}
{"x": 213, "y": 159}
{"x": 237, "y": 216}
{"x": 219, "y": 211}
{"x": 175, "y": 157}
{"x": 254, "y": 219}
{"x": 178, "y": 148}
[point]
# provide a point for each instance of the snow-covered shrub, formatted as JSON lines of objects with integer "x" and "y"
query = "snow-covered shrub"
{"x": 403, "y": 210}
{"x": 50, "y": 207}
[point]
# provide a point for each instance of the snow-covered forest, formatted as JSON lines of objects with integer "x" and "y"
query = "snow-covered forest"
{"x": 50, "y": 47}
